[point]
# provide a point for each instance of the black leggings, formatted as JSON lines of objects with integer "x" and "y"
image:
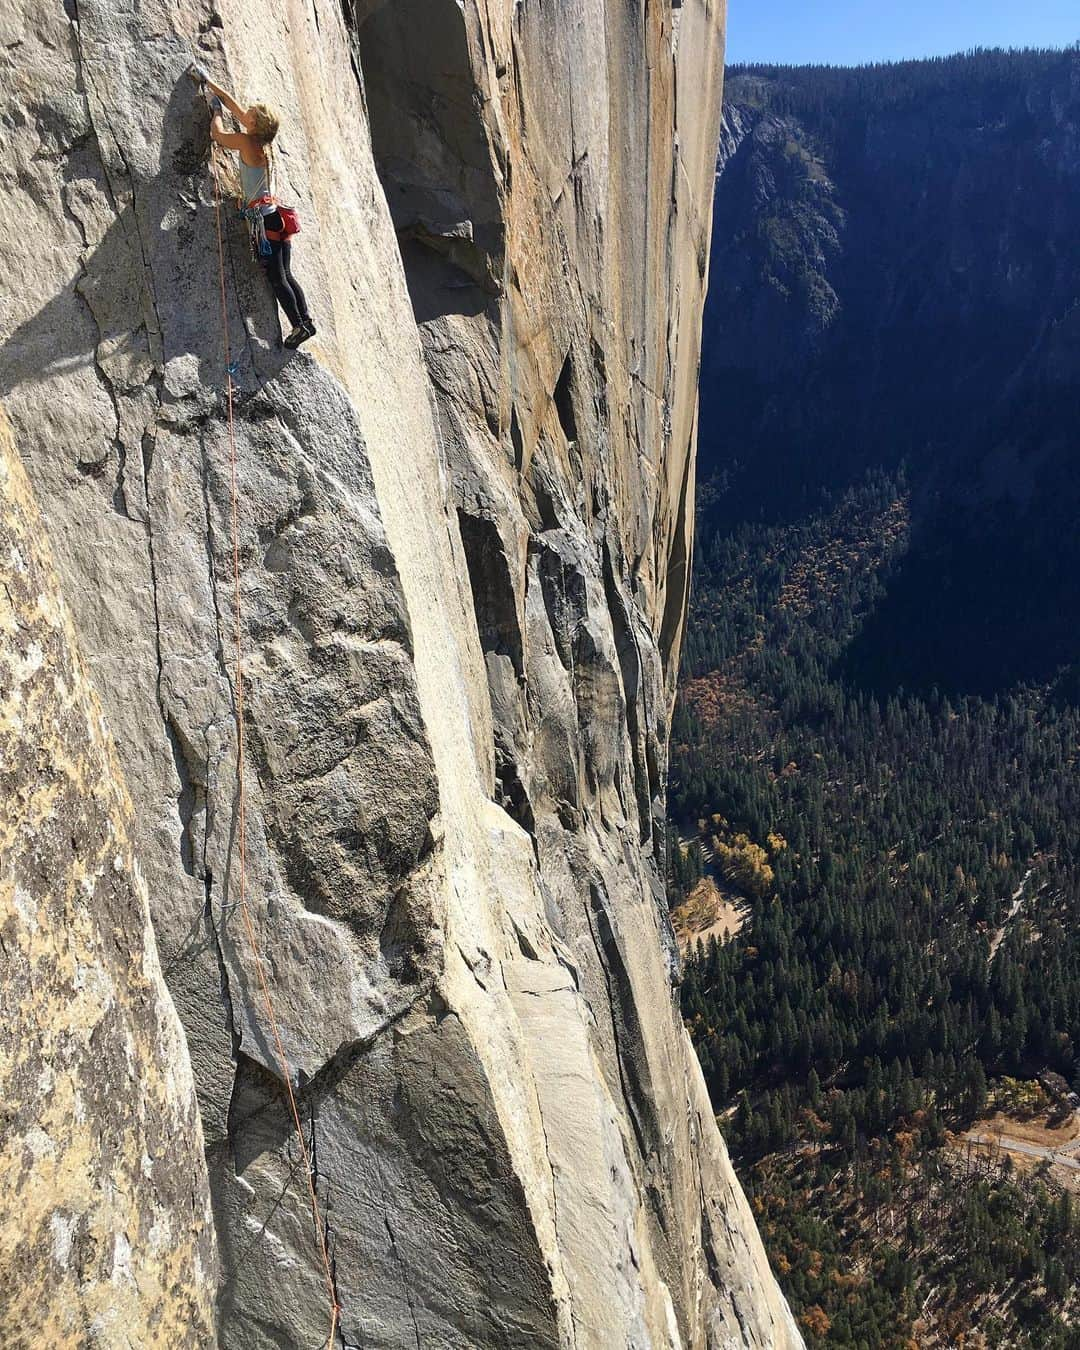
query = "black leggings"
{"x": 279, "y": 269}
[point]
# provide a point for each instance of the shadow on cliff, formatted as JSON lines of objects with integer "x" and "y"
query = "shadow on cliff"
{"x": 151, "y": 283}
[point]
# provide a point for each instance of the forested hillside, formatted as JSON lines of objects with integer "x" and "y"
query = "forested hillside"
{"x": 876, "y": 745}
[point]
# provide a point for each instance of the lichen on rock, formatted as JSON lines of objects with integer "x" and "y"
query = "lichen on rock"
{"x": 105, "y": 1230}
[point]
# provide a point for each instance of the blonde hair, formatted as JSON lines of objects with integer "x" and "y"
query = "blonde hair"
{"x": 264, "y": 123}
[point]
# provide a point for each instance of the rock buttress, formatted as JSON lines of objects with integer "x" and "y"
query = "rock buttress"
{"x": 549, "y": 170}
{"x": 464, "y": 544}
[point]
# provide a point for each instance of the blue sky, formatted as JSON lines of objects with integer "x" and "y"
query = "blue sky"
{"x": 848, "y": 32}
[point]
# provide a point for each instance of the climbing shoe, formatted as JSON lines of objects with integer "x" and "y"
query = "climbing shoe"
{"x": 300, "y": 333}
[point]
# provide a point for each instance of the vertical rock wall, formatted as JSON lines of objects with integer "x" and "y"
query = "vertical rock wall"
{"x": 462, "y": 570}
{"x": 105, "y": 1232}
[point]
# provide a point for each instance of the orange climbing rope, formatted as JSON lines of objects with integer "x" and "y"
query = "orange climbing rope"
{"x": 283, "y": 1064}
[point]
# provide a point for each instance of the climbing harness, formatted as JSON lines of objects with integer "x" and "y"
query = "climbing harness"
{"x": 231, "y": 370}
{"x": 261, "y": 234}
{"x": 259, "y": 208}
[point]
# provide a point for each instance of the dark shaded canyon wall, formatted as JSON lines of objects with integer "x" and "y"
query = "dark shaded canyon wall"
{"x": 896, "y": 283}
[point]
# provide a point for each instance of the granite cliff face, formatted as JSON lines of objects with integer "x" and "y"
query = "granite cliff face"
{"x": 106, "y": 1234}
{"x": 464, "y": 535}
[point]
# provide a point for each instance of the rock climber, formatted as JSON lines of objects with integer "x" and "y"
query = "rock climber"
{"x": 254, "y": 146}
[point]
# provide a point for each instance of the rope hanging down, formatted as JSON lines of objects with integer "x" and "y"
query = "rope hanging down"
{"x": 283, "y": 1065}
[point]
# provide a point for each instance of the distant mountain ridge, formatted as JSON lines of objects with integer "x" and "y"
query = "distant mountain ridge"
{"x": 895, "y": 279}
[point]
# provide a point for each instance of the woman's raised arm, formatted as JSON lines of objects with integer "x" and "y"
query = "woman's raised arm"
{"x": 231, "y": 140}
{"x": 239, "y": 113}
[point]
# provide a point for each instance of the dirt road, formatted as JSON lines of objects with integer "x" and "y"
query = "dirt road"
{"x": 1068, "y": 1155}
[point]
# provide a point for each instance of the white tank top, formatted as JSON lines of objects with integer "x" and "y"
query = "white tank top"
{"x": 255, "y": 182}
